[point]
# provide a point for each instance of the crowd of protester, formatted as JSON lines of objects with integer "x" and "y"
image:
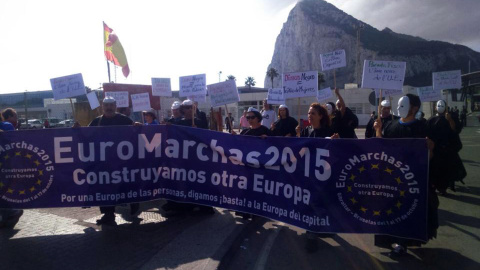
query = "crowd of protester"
{"x": 325, "y": 121}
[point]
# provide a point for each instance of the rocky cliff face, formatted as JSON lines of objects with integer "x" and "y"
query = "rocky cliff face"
{"x": 315, "y": 26}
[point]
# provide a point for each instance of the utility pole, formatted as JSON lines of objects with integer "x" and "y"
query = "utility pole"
{"x": 358, "y": 64}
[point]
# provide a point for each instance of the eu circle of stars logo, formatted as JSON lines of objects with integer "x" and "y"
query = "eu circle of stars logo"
{"x": 24, "y": 175}
{"x": 375, "y": 192}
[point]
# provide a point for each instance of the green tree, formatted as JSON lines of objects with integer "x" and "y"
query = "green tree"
{"x": 321, "y": 79}
{"x": 231, "y": 77}
{"x": 250, "y": 81}
{"x": 272, "y": 73}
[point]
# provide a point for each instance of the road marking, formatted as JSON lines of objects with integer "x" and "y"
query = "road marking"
{"x": 267, "y": 247}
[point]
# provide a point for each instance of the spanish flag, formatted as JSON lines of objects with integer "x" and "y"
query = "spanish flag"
{"x": 114, "y": 51}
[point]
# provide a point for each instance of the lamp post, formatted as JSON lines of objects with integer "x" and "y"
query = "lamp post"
{"x": 219, "y": 76}
{"x": 358, "y": 27}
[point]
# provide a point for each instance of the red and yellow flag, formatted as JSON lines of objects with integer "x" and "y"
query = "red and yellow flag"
{"x": 114, "y": 51}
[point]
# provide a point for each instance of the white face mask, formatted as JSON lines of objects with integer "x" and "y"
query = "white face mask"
{"x": 441, "y": 106}
{"x": 403, "y": 106}
{"x": 329, "y": 109}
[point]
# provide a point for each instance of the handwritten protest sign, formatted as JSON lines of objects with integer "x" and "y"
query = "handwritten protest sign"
{"x": 120, "y": 97}
{"x": 447, "y": 80}
{"x": 140, "y": 102}
{"x": 324, "y": 94}
{"x": 67, "y": 86}
{"x": 333, "y": 60}
{"x": 161, "y": 87}
{"x": 93, "y": 100}
{"x": 223, "y": 93}
{"x": 383, "y": 74}
{"x": 300, "y": 84}
{"x": 275, "y": 96}
{"x": 193, "y": 85}
{"x": 388, "y": 92}
{"x": 427, "y": 93}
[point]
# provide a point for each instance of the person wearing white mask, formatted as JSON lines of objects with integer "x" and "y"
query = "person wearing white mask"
{"x": 385, "y": 115}
{"x": 446, "y": 167}
{"x": 409, "y": 127}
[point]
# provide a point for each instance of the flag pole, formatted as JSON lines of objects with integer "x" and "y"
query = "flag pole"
{"x": 108, "y": 68}
{"x": 379, "y": 131}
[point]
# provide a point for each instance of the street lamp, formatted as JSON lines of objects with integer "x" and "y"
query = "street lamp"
{"x": 219, "y": 76}
{"x": 358, "y": 27}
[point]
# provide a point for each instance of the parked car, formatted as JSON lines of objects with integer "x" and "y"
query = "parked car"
{"x": 66, "y": 123}
{"x": 35, "y": 124}
{"x": 53, "y": 122}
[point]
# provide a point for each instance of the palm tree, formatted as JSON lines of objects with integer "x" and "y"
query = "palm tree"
{"x": 272, "y": 73}
{"x": 321, "y": 79}
{"x": 250, "y": 81}
{"x": 231, "y": 77}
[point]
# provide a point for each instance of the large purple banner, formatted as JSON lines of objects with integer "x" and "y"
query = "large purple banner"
{"x": 335, "y": 186}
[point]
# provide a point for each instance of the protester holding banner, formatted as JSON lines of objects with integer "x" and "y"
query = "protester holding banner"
{"x": 176, "y": 115}
{"x": 285, "y": 125}
{"x": 385, "y": 115}
{"x": 186, "y": 109}
{"x": 10, "y": 119}
{"x": 254, "y": 119}
{"x": 409, "y": 127}
{"x": 150, "y": 117}
{"x": 9, "y": 217}
{"x": 320, "y": 125}
{"x": 268, "y": 115}
{"x": 446, "y": 167}
{"x": 319, "y": 128}
{"x": 344, "y": 121}
{"x": 255, "y": 128}
{"x": 110, "y": 118}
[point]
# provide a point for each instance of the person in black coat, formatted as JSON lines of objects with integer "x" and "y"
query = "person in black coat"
{"x": 344, "y": 121}
{"x": 285, "y": 125}
{"x": 409, "y": 127}
{"x": 446, "y": 167}
{"x": 385, "y": 115}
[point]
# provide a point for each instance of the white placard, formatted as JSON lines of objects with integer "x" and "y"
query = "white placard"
{"x": 68, "y": 86}
{"x": 383, "y": 74}
{"x": 161, "y": 87}
{"x": 427, "y": 93}
{"x": 388, "y": 93}
{"x": 93, "y": 100}
{"x": 121, "y": 98}
{"x": 140, "y": 102}
{"x": 324, "y": 94}
{"x": 275, "y": 96}
{"x": 193, "y": 85}
{"x": 300, "y": 84}
{"x": 333, "y": 60}
{"x": 223, "y": 93}
{"x": 447, "y": 80}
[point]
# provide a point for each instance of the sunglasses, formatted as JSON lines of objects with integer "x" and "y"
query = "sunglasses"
{"x": 250, "y": 117}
